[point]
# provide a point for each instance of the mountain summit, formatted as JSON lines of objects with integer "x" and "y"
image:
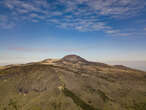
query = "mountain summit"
{"x": 73, "y": 58}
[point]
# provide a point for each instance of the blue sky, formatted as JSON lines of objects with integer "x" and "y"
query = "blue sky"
{"x": 99, "y": 30}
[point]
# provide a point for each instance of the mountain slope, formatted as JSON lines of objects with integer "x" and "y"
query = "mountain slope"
{"x": 72, "y": 83}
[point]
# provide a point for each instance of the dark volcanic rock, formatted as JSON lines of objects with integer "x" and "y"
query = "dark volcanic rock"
{"x": 73, "y": 59}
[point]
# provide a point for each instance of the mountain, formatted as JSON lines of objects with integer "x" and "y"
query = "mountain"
{"x": 71, "y": 83}
{"x": 73, "y": 59}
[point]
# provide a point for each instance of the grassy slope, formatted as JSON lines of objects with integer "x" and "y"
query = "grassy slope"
{"x": 39, "y": 88}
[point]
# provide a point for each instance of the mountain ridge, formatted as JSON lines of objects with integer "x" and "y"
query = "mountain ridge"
{"x": 73, "y": 59}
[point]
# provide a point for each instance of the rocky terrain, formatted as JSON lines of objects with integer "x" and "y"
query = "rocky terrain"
{"x": 71, "y": 83}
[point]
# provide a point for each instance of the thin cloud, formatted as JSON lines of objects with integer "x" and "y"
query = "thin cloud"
{"x": 80, "y": 15}
{"x": 44, "y": 50}
{"x": 24, "y": 49}
{"x": 5, "y": 22}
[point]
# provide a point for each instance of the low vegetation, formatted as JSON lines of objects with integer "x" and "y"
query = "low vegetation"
{"x": 78, "y": 101}
{"x": 12, "y": 105}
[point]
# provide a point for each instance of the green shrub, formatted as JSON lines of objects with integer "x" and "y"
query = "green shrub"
{"x": 78, "y": 101}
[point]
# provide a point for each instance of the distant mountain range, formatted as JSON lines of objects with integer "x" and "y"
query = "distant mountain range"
{"x": 71, "y": 83}
{"x": 141, "y": 65}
